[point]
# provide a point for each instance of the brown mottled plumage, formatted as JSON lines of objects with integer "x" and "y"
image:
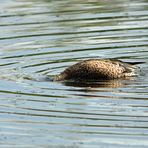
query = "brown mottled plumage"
{"x": 98, "y": 69}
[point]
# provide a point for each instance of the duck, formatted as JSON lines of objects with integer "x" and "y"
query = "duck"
{"x": 98, "y": 69}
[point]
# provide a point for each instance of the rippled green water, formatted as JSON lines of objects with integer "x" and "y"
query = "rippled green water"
{"x": 40, "y": 38}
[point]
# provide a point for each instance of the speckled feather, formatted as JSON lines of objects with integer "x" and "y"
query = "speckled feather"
{"x": 98, "y": 69}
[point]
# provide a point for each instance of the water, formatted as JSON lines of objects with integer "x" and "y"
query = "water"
{"x": 39, "y": 39}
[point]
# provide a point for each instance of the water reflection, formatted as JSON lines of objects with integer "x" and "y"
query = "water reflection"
{"x": 100, "y": 84}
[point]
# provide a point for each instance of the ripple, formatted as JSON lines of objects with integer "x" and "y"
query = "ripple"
{"x": 40, "y": 39}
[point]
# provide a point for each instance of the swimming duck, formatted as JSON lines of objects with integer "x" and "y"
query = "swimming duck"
{"x": 98, "y": 69}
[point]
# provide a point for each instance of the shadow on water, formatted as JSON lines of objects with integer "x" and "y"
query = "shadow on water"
{"x": 40, "y": 39}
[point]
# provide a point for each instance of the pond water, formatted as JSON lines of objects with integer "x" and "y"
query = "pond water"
{"x": 40, "y": 38}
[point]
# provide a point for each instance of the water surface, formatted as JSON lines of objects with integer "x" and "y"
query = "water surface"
{"x": 39, "y": 39}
